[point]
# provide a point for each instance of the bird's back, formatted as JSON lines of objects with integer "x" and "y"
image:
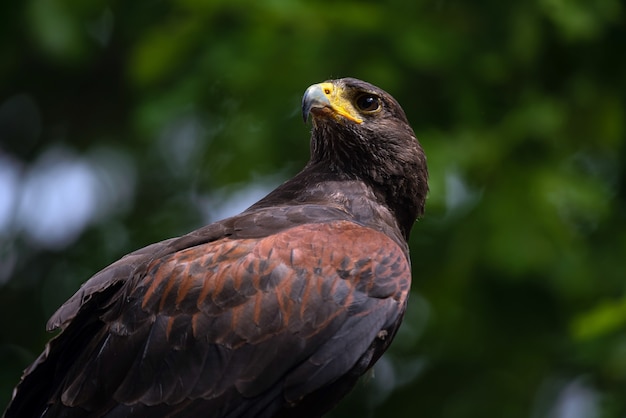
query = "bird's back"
{"x": 245, "y": 318}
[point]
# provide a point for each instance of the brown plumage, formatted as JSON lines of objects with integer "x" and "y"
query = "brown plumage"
{"x": 274, "y": 312}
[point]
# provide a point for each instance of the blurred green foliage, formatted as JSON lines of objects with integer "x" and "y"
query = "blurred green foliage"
{"x": 182, "y": 110}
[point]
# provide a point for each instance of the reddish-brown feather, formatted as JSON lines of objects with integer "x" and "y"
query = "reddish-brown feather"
{"x": 300, "y": 285}
{"x": 273, "y": 312}
{"x": 157, "y": 277}
{"x": 187, "y": 282}
{"x": 169, "y": 285}
{"x": 233, "y": 271}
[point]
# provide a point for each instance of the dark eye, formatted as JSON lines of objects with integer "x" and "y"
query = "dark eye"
{"x": 368, "y": 102}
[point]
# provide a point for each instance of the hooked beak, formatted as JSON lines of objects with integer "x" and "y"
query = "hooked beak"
{"x": 326, "y": 99}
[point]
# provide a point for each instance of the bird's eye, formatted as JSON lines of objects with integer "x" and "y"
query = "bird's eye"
{"x": 368, "y": 102}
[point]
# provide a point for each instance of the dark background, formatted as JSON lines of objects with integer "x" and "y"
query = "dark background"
{"x": 127, "y": 122}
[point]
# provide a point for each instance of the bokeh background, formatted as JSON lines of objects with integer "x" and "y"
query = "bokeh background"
{"x": 127, "y": 122}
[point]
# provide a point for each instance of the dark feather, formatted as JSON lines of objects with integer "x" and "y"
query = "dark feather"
{"x": 273, "y": 312}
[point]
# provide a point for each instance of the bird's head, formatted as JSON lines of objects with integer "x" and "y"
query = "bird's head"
{"x": 349, "y": 99}
{"x": 360, "y": 131}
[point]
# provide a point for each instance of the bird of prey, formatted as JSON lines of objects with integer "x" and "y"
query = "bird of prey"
{"x": 274, "y": 312}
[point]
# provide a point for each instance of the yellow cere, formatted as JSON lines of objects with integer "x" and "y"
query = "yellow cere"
{"x": 340, "y": 105}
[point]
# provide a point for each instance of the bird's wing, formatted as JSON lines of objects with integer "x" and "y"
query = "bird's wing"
{"x": 284, "y": 314}
{"x": 250, "y": 224}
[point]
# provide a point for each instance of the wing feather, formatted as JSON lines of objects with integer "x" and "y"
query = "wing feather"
{"x": 234, "y": 325}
